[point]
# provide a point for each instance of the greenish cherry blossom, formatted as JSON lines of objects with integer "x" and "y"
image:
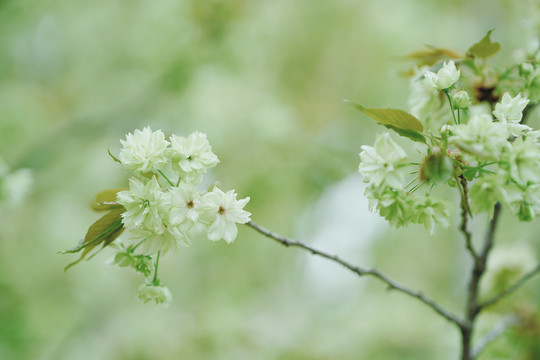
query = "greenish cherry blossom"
{"x": 510, "y": 111}
{"x": 192, "y": 156}
{"x": 164, "y": 239}
{"x": 186, "y": 205}
{"x": 156, "y": 293}
{"x": 145, "y": 205}
{"x": 384, "y": 162}
{"x": 424, "y": 101}
{"x": 430, "y": 211}
{"x": 490, "y": 189}
{"x": 393, "y": 205}
{"x": 480, "y": 137}
{"x": 222, "y": 213}
{"x": 528, "y": 207}
{"x": 447, "y": 76}
{"x": 521, "y": 159}
{"x": 144, "y": 150}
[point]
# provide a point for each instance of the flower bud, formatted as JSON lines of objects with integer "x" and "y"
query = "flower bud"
{"x": 447, "y": 128}
{"x": 461, "y": 99}
{"x": 436, "y": 167}
{"x": 444, "y": 78}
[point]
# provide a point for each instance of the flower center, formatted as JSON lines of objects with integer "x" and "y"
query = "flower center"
{"x": 221, "y": 210}
{"x": 190, "y": 204}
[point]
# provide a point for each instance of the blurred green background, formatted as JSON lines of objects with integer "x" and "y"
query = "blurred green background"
{"x": 266, "y": 81}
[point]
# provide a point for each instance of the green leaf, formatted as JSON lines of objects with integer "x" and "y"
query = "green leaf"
{"x": 399, "y": 121}
{"x": 104, "y": 231}
{"x": 106, "y": 200}
{"x": 484, "y": 48}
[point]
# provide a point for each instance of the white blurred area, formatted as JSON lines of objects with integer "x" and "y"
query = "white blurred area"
{"x": 15, "y": 185}
{"x": 340, "y": 223}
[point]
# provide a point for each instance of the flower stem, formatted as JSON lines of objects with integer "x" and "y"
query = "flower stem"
{"x": 155, "y": 281}
{"x": 451, "y": 106}
{"x": 166, "y": 178}
{"x": 137, "y": 245}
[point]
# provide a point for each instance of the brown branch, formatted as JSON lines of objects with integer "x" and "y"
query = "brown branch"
{"x": 465, "y": 209}
{"x": 488, "y": 242}
{"x": 392, "y": 284}
{"x": 479, "y": 268}
{"x": 512, "y": 288}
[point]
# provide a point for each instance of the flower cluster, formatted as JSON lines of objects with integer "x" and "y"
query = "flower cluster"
{"x": 163, "y": 206}
{"x": 501, "y": 156}
{"x": 163, "y": 203}
{"x": 386, "y": 168}
{"x": 469, "y": 119}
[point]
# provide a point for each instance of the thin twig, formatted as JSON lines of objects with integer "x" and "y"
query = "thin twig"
{"x": 488, "y": 242}
{"x": 497, "y": 331}
{"x": 512, "y": 288}
{"x": 479, "y": 268}
{"x": 392, "y": 284}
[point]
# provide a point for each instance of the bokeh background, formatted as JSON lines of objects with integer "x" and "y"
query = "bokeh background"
{"x": 266, "y": 81}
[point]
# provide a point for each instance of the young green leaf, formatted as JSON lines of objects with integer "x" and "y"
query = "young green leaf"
{"x": 399, "y": 121}
{"x": 106, "y": 200}
{"x": 104, "y": 231}
{"x": 484, "y": 48}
